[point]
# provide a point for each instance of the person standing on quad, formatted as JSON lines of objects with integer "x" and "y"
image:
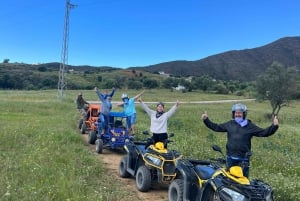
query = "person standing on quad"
{"x": 128, "y": 105}
{"x": 105, "y": 109}
{"x": 159, "y": 120}
{"x": 239, "y": 134}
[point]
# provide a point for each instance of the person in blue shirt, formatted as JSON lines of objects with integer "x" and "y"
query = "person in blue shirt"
{"x": 105, "y": 109}
{"x": 128, "y": 105}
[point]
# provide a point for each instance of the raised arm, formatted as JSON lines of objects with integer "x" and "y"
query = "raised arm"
{"x": 173, "y": 109}
{"x": 112, "y": 92}
{"x": 100, "y": 95}
{"x": 139, "y": 95}
{"x": 145, "y": 107}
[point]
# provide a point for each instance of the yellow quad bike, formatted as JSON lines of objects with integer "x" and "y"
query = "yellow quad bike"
{"x": 208, "y": 180}
{"x": 149, "y": 165}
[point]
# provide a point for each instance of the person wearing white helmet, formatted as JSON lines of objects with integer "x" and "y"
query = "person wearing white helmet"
{"x": 128, "y": 105}
{"x": 240, "y": 131}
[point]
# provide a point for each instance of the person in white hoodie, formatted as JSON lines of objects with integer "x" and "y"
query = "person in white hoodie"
{"x": 159, "y": 120}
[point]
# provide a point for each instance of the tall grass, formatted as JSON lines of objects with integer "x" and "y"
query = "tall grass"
{"x": 275, "y": 159}
{"x": 43, "y": 156}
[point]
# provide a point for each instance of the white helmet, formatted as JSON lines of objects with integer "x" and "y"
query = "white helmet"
{"x": 124, "y": 96}
{"x": 239, "y": 107}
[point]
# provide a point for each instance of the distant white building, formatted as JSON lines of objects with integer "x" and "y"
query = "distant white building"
{"x": 163, "y": 73}
{"x": 189, "y": 78}
{"x": 180, "y": 87}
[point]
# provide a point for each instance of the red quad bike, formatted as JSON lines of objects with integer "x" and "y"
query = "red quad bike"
{"x": 114, "y": 137}
{"x": 201, "y": 180}
{"x": 88, "y": 121}
{"x": 150, "y": 165}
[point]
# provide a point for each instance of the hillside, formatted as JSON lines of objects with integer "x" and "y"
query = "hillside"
{"x": 244, "y": 65}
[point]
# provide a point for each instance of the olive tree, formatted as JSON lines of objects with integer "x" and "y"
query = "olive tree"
{"x": 277, "y": 85}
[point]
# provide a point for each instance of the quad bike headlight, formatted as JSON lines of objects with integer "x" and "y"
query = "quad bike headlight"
{"x": 113, "y": 139}
{"x": 127, "y": 140}
{"x": 235, "y": 196}
{"x": 269, "y": 196}
{"x": 154, "y": 160}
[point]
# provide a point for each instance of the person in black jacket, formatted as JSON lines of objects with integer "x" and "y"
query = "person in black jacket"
{"x": 80, "y": 102}
{"x": 239, "y": 134}
{"x": 82, "y": 106}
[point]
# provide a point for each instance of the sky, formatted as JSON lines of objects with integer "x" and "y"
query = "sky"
{"x": 136, "y": 33}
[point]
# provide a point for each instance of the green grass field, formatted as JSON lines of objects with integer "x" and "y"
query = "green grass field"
{"x": 43, "y": 156}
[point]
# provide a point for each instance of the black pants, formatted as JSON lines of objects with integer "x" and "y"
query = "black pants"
{"x": 160, "y": 137}
{"x": 242, "y": 162}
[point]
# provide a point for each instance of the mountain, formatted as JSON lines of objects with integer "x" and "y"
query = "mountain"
{"x": 244, "y": 65}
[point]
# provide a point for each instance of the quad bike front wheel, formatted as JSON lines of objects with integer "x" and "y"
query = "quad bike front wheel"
{"x": 143, "y": 179}
{"x": 123, "y": 167}
{"x": 99, "y": 146}
{"x": 175, "y": 192}
{"x": 80, "y": 123}
{"x": 82, "y": 130}
{"x": 210, "y": 195}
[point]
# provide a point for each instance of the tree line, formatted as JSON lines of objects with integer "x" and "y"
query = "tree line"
{"x": 278, "y": 84}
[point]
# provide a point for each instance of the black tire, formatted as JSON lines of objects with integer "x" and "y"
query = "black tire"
{"x": 210, "y": 195}
{"x": 175, "y": 191}
{"x": 92, "y": 137}
{"x": 123, "y": 167}
{"x": 99, "y": 146}
{"x": 82, "y": 130}
{"x": 143, "y": 179}
{"x": 80, "y": 123}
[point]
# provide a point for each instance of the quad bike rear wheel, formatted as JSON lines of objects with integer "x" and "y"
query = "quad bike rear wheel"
{"x": 175, "y": 192}
{"x": 123, "y": 167}
{"x": 143, "y": 179}
{"x": 99, "y": 146}
{"x": 92, "y": 137}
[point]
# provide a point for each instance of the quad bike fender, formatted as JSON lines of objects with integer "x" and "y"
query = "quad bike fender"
{"x": 191, "y": 188}
{"x": 213, "y": 183}
{"x": 134, "y": 159}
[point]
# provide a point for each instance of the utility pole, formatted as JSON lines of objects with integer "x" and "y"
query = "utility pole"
{"x": 62, "y": 83}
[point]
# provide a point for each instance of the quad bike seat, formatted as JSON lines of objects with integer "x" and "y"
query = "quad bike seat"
{"x": 205, "y": 171}
{"x": 118, "y": 131}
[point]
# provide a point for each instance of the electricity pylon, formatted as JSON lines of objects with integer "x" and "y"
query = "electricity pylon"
{"x": 63, "y": 68}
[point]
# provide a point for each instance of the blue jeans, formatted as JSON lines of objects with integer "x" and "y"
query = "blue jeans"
{"x": 103, "y": 122}
{"x": 244, "y": 163}
{"x": 130, "y": 120}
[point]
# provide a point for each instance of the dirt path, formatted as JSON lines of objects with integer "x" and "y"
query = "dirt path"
{"x": 111, "y": 161}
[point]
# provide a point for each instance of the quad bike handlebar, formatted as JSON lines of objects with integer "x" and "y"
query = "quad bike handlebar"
{"x": 222, "y": 160}
{"x": 149, "y": 141}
